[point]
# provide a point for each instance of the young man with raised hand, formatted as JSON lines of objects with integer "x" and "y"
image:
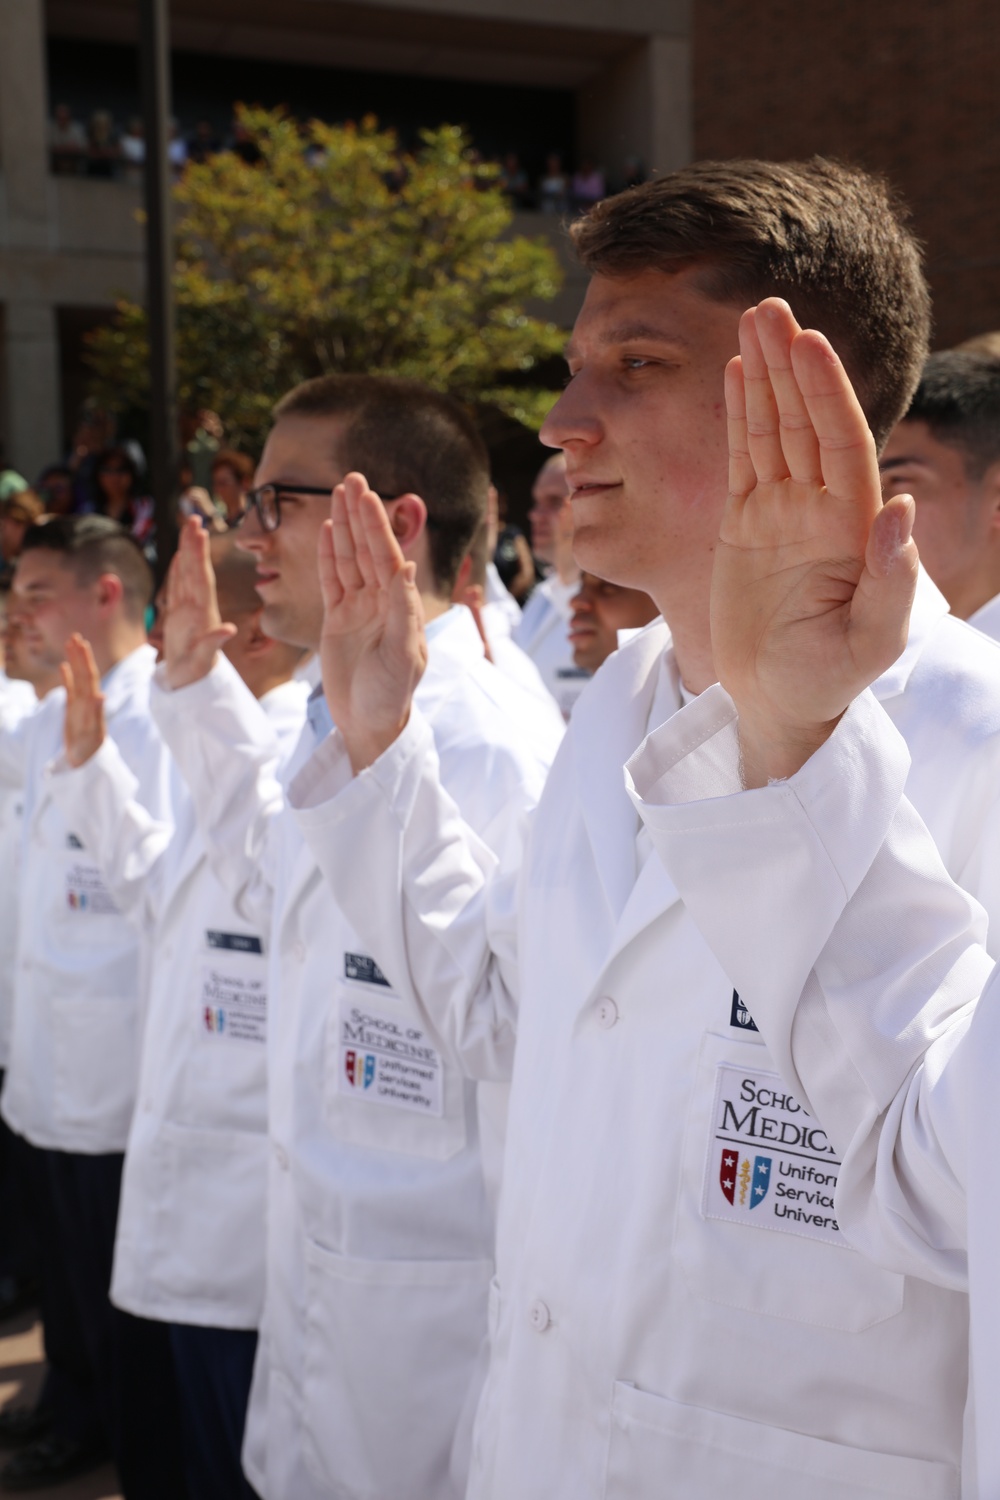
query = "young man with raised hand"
{"x": 189, "y": 1251}
{"x": 660, "y": 1309}
{"x": 71, "y": 1078}
{"x": 384, "y": 1158}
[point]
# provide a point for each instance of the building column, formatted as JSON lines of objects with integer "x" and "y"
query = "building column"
{"x": 23, "y": 107}
{"x": 640, "y": 106}
{"x": 31, "y": 377}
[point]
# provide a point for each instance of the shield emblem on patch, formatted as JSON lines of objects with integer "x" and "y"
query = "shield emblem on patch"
{"x": 761, "y": 1180}
{"x": 727, "y": 1173}
{"x": 350, "y": 1067}
{"x": 369, "y": 1069}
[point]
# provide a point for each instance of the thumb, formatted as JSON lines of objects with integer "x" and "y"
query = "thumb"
{"x": 880, "y": 612}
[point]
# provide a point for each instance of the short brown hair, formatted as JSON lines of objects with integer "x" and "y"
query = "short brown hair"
{"x": 831, "y": 239}
{"x": 407, "y": 439}
{"x": 92, "y": 545}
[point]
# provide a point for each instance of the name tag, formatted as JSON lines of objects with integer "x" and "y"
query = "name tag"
{"x": 86, "y": 891}
{"x": 364, "y": 969}
{"x": 769, "y": 1165}
{"x": 233, "y": 994}
{"x": 387, "y": 1061}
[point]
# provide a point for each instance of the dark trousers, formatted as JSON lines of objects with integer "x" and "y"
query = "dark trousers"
{"x": 70, "y": 1395}
{"x": 214, "y": 1368}
{"x": 17, "y": 1253}
{"x": 129, "y": 1357}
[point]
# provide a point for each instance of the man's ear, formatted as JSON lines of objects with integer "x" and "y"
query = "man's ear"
{"x": 109, "y": 592}
{"x": 408, "y": 519}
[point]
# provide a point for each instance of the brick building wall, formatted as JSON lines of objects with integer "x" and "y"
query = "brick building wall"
{"x": 910, "y": 89}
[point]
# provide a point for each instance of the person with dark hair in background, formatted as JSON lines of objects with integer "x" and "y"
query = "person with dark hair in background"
{"x": 54, "y": 487}
{"x": 117, "y": 492}
{"x": 946, "y": 454}
{"x": 232, "y": 475}
{"x": 675, "y": 1304}
{"x": 17, "y": 513}
{"x": 382, "y": 1174}
{"x": 543, "y": 629}
{"x": 69, "y": 1087}
{"x": 599, "y": 610}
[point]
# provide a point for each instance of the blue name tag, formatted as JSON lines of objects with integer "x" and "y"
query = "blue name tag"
{"x": 234, "y": 942}
{"x": 359, "y": 966}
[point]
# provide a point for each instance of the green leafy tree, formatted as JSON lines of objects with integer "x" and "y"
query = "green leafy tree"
{"x": 335, "y": 252}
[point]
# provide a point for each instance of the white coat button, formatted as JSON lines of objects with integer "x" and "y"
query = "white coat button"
{"x": 607, "y": 1013}
{"x": 539, "y": 1316}
{"x": 281, "y": 1157}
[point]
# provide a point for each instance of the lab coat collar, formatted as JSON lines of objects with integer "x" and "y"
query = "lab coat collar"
{"x": 987, "y": 618}
{"x": 610, "y": 719}
{"x": 454, "y": 646}
{"x": 929, "y": 608}
{"x": 125, "y": 676}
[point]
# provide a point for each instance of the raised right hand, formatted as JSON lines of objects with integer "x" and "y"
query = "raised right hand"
{"x": 83, "y": 721}
{"x": 193, "y": 628}
{"x": 373, "y": 649}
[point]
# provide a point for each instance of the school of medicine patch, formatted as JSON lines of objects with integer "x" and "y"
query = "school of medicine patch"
{"x": 769, "y": 1163}
{"x": 387, "y": 1059}
{"x": 232, "y": 998}
{"x": 86, "y": 891}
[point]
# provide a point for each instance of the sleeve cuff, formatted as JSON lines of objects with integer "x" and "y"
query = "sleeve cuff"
{"x": 326, "y": 790}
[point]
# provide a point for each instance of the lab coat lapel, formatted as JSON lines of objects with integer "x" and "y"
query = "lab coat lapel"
{"x": 929, "y": 606}
{"x": 609, "y": 722}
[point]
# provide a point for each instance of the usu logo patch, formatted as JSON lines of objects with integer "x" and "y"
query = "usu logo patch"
{"x": 769, "y": 1163}
{"x": 739, "y": 1016}
{"x": 215, "y": 1019}
{"x": 360, "y": 1068}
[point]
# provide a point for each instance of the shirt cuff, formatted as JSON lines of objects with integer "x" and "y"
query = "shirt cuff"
{"x": 326, "y": 790}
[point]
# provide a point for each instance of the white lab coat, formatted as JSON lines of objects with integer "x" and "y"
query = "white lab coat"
{"x": 380, "y": 1220}
{"x": 642, "y": 1324}
{"x": 17, "y": 700}
{"x": 543, "y": 633}
{"x": 191, "y": 1225}
{"x": 987, "y": 618}
{"x": 74, "y": 1053}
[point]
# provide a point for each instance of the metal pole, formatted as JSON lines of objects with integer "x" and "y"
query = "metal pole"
{"x": 164, "y": 455}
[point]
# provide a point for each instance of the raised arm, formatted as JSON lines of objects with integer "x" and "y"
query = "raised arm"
{"x": 216, "y": 731}
{"x": 822, "y": 895}
{"x": 97, "y": 793}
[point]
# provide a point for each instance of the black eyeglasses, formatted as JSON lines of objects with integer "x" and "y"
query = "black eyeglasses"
{"x": 266, "y": 501}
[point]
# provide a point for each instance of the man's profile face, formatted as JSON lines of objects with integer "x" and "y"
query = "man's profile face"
{"x": 954, "y": 515}
{"x": 48, "y": 605}
{"x": 643, "y": 425}
{"x": 599, "y": 611}
{"x": 299, "y": 450}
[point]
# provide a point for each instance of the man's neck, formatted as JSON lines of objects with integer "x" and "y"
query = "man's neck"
{"x": 107, "y": 654}
{"x": 691, "y": 637}
{"x": 968, "y": 596}
{"x": 565, "y": 568}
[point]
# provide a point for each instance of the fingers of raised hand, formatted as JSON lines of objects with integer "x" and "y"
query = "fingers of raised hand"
{"x": 846, "y": 446}
{"x": 329, "y": 578}
{"x": 742, "y": 475}
{"x": 344, "y": 551}
{"x": 762, "y": 421}
{"x": 776, "y": 328}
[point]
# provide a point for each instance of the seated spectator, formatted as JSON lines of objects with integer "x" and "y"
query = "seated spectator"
{"x": 553, "y": 190}
{"x": 133, "y": 149}
{"x": 117, "y": 493}
{"x": 177, "y": 151}
{"x": 103, "y": 153}
{"x": 982, "y": 343}
{"x": 599, "y": 611}
{"x": 67, "y": 143}
{"x": 17, "y": 513}
{"x": 243, "y": 144}
{"x": 204, "y": 143}
{"x": 588, "y": 185}
{"x": 231, "y": 476}
{"x": 514, "y": 181}
{"x": 54, "y": 488}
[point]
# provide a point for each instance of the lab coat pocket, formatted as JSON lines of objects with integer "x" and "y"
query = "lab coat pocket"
{"x": 96, "y": 1063}
{"x": 390, "y": 1349}
{"x": 387, "y": 1083}
{"x": 663, "y": 1448}
{"x": 208, "y": 1248}
{"x": 756, "y": 1224}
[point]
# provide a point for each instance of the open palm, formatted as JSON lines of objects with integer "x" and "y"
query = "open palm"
{"x": 813, "y": 577}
